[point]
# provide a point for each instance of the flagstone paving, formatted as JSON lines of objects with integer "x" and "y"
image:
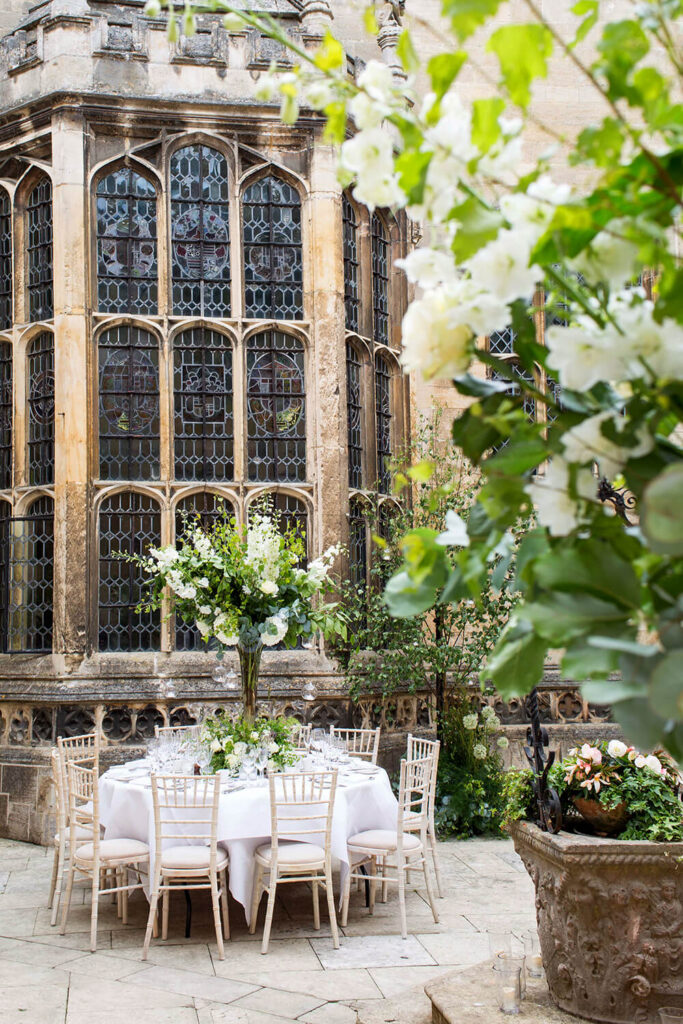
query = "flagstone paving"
{"x": 49, "y": 979}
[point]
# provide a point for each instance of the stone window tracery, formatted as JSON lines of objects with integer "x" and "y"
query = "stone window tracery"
{"x": 383, "y": 418}
{"x": 354, "y": 410}
{"x": 380, "y": 280}
{"x": 39, "y": 251}
{"x": 276, "y": 408}
{"x": 41, "y": 409}
{"x": 26, "y": 574}
{"x": 5, "y": 261}
{"x": 127, "y": 243}
{"x": 128, "y": 523}
{"x": 5, "y": 415}
{"x": 203, "y": 405}
{"x": 351, "y": 264}
{"x": 273, "y": 261}
{"x": 129, "y": 404}
{"x": 200, "y": 232}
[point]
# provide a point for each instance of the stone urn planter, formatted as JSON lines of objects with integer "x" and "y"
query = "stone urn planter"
{"x": 610, "y": 922}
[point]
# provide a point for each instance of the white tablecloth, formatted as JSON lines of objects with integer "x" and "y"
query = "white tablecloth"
{"x": 361, "y": 802}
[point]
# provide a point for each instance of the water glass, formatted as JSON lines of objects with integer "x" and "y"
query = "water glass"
{"x": 532, "y": 952}
{"x": 671, "y": 1014}
{"x": 515, "y": 960}
{"x": 499, "y": 942}
{"x": 508, "y": 986}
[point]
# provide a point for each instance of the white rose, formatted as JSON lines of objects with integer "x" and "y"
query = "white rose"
{"x": 268, "y": 587}
{"x": 273, "y": 747}
{"x": 640, "y": 761}
{"x": 216, "y": 745}
{"x": 615, "y": 748}
{"x": 654, "y": 764}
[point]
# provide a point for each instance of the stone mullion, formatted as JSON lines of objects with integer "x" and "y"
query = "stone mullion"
{"x": 239, "y": 407}
{"x": 70, "y": 206}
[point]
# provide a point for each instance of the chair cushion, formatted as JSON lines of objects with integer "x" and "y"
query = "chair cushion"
{"x": 115, "y": 849}
{"x": 382, "y": 839}
{"x": 291, "y": 854}
{"x": 192, "y": 858}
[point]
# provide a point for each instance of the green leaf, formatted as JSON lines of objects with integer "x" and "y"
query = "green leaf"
{"x": 370, "y": 20}
{"x": 622, "y": 45}
{"x": 479, "y": 387}
{"x": 518, "y": 456}
{"x": 335, "y": 128}
{"x": 405, "y": 598}
{"x": 592, "y": 567}
{"x": 615, "y": 643}
{"x": 670, "y": 295}
{"x": 485, "y": 125}
{"x": 479, "y": 224}
{"x": 601, "y": 144}
{"x": 468, "y": 15}
{"x": 410, "y": 62}
{"x": 581, "y": 661}
{"x": 662, "y": 511}
{"x": 443, "y": 69}
{"x": 411, "y": 167}
{"x": 641, "y": 725}
{"x": 522, "y": 52}
{"x": 517, "y": 662}
{"x": 422, "y": 471}
{"x": 590, "y": 9}
{"x": 611, "y": 691}
{"x": 560, "y": 618}
{"x": 666, "y": 686}
{"x": 330, "y": 54}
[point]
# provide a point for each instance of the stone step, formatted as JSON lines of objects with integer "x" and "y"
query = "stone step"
{"x": 411, "y": 1007}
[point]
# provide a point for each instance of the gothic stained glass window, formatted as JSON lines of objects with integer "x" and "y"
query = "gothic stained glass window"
{"x": 202, "y": 369}
{"x": 208, "y": 507}
{"x": 5, "y": 261}
{"x": 129, "y": 523}
{"x": 380, "y": 281}
{"x": 5, "y": 415}
{"x": 358, "y": 543}
{"x": 26, "y": 566}
{"x": 41, "y": 410}
{"x": 354, "y": 412}
{"x": 350, "y": 241}
{"x": 129, "y": 404}
{"x": 39, "y": 251}
{"x": 200, "y": 233}
{"x": 127, "y": 244}
{"x": 271, "y": 226}
{"x": 276, "y": 408}
{"x": 383, "y": 423}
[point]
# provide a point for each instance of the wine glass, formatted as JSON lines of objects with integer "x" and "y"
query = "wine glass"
{"x": 262, "y": 758}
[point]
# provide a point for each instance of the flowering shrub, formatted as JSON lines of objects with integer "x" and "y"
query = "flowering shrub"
{"x": 469, "y": 783}
{"x": 244, "y": 585}
{"x": 228, "y": 741}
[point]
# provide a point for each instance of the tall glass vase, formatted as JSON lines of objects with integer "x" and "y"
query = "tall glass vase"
{"x": 250, "y": 659}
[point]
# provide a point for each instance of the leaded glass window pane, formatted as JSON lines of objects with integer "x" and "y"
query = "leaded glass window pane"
{"x": 358, "y": 543}
{"x": 39, "y": 251}
{"x": 351, "y": 262}
{"x": 276, "y": 408}
{"x": 127, "y": 244}
{"x": 383, "y": 416}
{"x": 273, "y": 274}
{"x": 5, "y": 414}
{"x": 502, "y": 343}
{"x": 202, "y": 368}
{"x": 5, "y": 261}
{"x": 26, "y": 566}
{"x": 129, "y": 523}
{"x": 129, "y": 404}
{"x": 201, "y": 510}
{"x": 516, "y": 372}
{"x": 200, "y": 232}
{"x": 41, "y": 410}
{"x": 354, "y": 413}
{"x": 380, "y": 281}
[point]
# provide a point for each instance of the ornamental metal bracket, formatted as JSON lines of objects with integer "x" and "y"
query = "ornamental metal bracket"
{"x": 547, "y": 800}
{"x": 619, "y": 498}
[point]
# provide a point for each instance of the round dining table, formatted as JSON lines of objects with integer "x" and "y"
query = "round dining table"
{"x": 363, "y": 800}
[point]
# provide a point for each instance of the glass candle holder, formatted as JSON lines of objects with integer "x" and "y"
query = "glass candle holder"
{"x": 515, "y": 960}
{"x": 671, "y": 1014}
{"x": 499, "y": 942}
{"x": 532, "y": 953}
{"x": 508, "y": 986}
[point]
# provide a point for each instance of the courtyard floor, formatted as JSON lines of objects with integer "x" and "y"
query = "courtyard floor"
{"x": 49, "y": 979}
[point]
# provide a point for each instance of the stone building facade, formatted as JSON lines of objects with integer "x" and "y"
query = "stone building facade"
{"x": 191, "y": 312}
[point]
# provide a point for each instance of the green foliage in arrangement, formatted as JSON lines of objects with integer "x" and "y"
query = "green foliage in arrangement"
{"x": 267, "y": 739}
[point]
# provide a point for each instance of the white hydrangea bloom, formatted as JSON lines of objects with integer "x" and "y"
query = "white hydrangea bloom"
{"x": 275, "y": 629}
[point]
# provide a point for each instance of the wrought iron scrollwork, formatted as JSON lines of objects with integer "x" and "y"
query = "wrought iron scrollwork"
{"x": 619, "y": 497}
{"x": 541, "y": 761}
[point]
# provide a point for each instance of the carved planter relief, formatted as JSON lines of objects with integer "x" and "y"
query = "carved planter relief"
{"x": 610, "y": 922}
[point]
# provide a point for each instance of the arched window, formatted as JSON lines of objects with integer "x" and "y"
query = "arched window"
{"x": 276, "y": 408}
{"x": 5, "y": 261}
{"x": 358, "y": 543}
{"x": 200, "y": 232}
{"x": 26, "y": 563}
{"x": 197, "y": 509}
{"x": 273, "y": 275}
{"x": 129, "y": 523}
{"x": 5, "y": 414}
{"x": 350, "y": 241}
{"x": 383, "y": 418}
{"x": 380, "y": 281}
{"x": 127, "y": 243}
{"x": 202, "y": 377}
{"x": 39, "y": 251}
{"x": 129, "y": 404}
{"x": 41, "y": 410}
{"x": 354, "y": 413}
